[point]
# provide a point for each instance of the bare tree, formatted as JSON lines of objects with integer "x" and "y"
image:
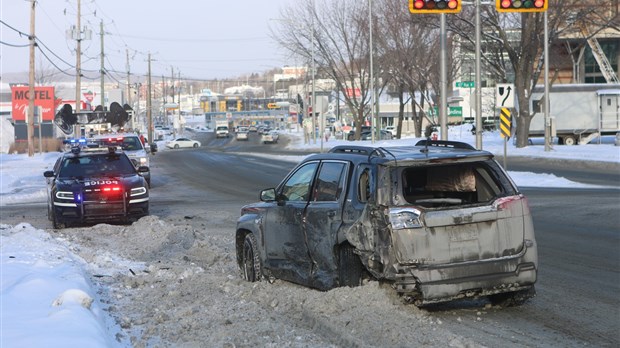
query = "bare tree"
{"x": 335, "y": 34}
{"x": 522, "y": 54}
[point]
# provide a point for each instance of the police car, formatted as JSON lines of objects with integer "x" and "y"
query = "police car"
{"x": 94, "y": 185}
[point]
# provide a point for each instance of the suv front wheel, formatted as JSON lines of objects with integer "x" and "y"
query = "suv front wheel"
{"x": 250, "y": 263}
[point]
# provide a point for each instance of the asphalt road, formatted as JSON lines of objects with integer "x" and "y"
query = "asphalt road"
{"x": 577, "y": 232}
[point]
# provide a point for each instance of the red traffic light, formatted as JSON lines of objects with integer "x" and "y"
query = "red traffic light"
{"x": 521, "y": 5}
{"x": 434, "y": 6}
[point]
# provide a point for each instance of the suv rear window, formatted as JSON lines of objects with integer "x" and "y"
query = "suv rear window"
{"x": 453, "y": 184}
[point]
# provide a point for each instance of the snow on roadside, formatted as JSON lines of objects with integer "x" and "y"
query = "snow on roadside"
{"x": 46, "y": 299}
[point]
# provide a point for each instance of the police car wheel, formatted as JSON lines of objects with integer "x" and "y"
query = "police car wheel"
{"x": 57, "y": 224}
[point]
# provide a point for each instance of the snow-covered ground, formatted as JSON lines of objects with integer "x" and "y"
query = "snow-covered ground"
{"x": 45, "y": 297}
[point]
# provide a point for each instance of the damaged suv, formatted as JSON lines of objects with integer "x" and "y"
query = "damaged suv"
{"x": 440, "y": 221}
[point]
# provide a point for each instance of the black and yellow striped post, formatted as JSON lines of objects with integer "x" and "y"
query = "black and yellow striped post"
{"x": 505, "y": 123}
{"x": 505, "y": 126}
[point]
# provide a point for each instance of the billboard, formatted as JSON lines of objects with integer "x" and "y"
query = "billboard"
{"x": 43, "y": 98}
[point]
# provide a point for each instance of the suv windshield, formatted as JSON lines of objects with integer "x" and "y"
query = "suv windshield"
{"x": 97, "y": 164}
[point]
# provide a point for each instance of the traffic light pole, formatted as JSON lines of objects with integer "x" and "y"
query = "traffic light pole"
{"x": 443, "y": 103}
{"x": 547, "y": 125}
{"x": 478, "y": 82}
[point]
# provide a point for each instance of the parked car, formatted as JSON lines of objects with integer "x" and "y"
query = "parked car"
{"x": 438, "y": 221}
{"x": 270, "y": 137}
{"x": 391, "y": 129}
{"x": 96, "y": 185}
{"x": 351, "y": 134}
{"x": 385, "y": 135}
{"x": 182, "y": 142}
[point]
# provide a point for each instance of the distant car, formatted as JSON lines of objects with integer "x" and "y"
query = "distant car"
{"x": 242, "y": 135}
{"x": 351, "y": 134}
{"x": 385, "y": 135}
{"x": 221, "y": 132}
{"x": 182, "y": 142}
{"x": 131, "y": 145}
{"x": 270, "y": 137}
{"x": 252, "y": 129}
{"x": 391, "y": 129}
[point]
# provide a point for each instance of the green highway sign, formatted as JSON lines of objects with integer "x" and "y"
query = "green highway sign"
{"x": 465, "y": 84}
{"x": 453, "y": 111}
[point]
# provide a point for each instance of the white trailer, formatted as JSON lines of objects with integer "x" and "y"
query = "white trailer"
{"x": 578, "y": 112}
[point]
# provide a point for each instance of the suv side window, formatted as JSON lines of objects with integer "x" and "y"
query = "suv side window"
{"x": 363, "y": 190}
{"x": 297, "y": 187}
{"x": 329, "y": 183}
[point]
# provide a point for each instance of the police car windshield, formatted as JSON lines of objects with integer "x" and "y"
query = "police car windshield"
{"x": 127, "y": 143}
{"x": 88, "y": 166}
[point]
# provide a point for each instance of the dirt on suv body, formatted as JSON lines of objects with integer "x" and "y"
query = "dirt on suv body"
{"x": 440, "y": 221}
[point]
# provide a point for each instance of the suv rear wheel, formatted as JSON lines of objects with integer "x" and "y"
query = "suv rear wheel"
{"x": 350, "y": 267}
{"x": 250, "y": 263}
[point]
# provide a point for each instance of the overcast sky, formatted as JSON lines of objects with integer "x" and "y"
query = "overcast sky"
{"x": 204, "y": 39}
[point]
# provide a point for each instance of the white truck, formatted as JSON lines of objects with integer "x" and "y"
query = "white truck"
{"x": 578, "y": 112}
{"x": 221, "y": 129}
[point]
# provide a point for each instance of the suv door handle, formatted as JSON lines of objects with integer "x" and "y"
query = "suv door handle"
{"x": 331, "y": 213}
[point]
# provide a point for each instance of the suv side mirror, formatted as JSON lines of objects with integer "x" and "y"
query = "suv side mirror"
{"x": 268, "y": 195}
{"x": 48, "y": 173}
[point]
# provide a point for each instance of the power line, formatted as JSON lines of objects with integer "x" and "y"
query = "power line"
{"x": 13, "y": 45}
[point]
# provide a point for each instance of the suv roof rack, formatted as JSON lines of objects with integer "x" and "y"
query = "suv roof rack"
{"x": 358, "y": 150}
{"x": 446, "y": 144}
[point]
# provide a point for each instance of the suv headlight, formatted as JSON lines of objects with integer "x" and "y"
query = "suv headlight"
{"x": 144, "y": 161}
{"x": 402, "y": 218}
{"x": 64, "y": 195}
{"x": 137, "y": 191}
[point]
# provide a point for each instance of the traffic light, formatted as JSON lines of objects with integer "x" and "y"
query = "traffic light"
{"x": 434, "y": 6}
{"x": 521, "y": 5}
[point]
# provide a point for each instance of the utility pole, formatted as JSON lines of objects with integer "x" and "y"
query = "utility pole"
{"x": 102, "y": 68}
{"x": 313, "y": 103}
{"x": 133, "y": 117}
{"x": 31, "y": 96}
{"x": 172, "y": 93}
{"x": 375, "y": 132}
{"x": 78, "y": 66}
{"x": 149, "y": 114}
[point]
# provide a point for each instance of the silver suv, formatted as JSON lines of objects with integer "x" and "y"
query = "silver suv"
{"x": 439, "y": 221}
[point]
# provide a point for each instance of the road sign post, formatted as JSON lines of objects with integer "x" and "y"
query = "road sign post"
{"x": 505, "y": 127}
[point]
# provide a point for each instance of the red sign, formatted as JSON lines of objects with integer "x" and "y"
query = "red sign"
{"x": 353, "y": 92}
{"x": 43, "y": 98}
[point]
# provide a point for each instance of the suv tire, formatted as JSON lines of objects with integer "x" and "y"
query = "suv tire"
{"x": 350, "y": 267}
{"x": 251, "y": 269}
{"x": 56, "y": 224}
